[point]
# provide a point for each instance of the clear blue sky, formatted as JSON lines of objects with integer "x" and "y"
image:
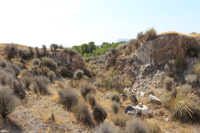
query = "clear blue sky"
{"x": 74, "y": 22}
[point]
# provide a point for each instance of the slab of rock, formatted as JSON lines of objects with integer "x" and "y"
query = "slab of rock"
{"x": 154, "y": 99}
{"x": 144, "y": 110}
{"x": 126, "y": 89}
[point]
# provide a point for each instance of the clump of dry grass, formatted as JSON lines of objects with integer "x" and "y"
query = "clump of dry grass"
{"x": 115, "y": 107}
{"x": 85, "y": 88}
{"x": 105, "y": 128}
{"x": 153, "y": 126}
{"x": 92, "y": 100}
{"x": 18, "y": 90}
{"x": 40, "y": 84}
{"x": 35, "y": 62}
{"x": 51, "y": 75}
{"x": 68, "y": 98}
{"x": 64, "y": 72}
{"x": 120, "y": 120}
{"x": 150, "y": 35}
{"x": 83, "y": 115}
{"x": 184, "y": 106}
{"x": 136, "y": 126}
{"x": 48, "y": 62}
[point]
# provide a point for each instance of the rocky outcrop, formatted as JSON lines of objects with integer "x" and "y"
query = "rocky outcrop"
{"x": 164, "y": 48}
{"x": 70, "y": 59}
{"x": 153, "y": 54}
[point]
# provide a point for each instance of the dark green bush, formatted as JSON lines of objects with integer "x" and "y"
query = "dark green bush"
{"x": 168, "y": 82}
{"x": 11, "y": 51}
{"x": 3, "y": 64}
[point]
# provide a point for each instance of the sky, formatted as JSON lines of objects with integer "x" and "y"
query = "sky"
{"x": 74, "y": 22}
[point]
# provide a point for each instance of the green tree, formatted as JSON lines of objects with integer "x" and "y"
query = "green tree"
{"x": 84, "y": 49}
{"x": 91, "y": 46}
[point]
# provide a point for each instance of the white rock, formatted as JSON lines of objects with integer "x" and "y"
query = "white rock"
{"x": 167, "y": 119}
{"x": 142, "y": 94}
{"x": 154, "y": 99}
{"x": 126, "y": 89}
{"x": 143, "y": 109}
{"x": 107, "y": 96}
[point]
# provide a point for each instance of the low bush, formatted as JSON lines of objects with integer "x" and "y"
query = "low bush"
{"x": 99, "y": 114}
{"x": 35, "y": 62}
{"x": 11, "y": 51}
{"x": 78, "y": 74}
{"x": 48, "y": 62}
{"x": 140, "y": 37}
{"x": 168, "y": 82}
{"x": 186, "y": 87}
{"x": 185, "y": 106}
{"x": 115, "y": 107}
{"x": 83, "y": 115}
{"x": 85, "y": 88}
{"x": 27, "y": 81}
{"x": 68, "y": 98}
{"x": 105, "y": 128}
{"x": 51, "y": 75}
{"x": 115, "y": 97}
{"x": 64, "y": 72}
{"x": 136, "y": 126}
{"x": 87, "y": 72}
{"x": 40, "y": 85}
{"x": 18, "y": 90}
{"x": 191, "y": 79}
{"x": 8, "y": 102}
{"x": 16, "y": 69}
{"x": 91, "y": 99}
{"x": 180, "y": 62}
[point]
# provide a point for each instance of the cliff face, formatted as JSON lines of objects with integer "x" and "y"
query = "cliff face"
{"x": 153, "y": 53}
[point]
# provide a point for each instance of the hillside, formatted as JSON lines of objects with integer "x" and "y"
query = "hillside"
{"x": 148, "y": 84}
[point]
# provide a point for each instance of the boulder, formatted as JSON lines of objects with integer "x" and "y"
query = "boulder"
{"x": 154, "y": 99}
{"x": 137, "y": 110}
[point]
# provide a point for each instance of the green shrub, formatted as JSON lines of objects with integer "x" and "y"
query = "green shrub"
{"x": 35, "y": 62}
{"x": 99, "y": 114}
{"x": 91, "y": 99}
{"x": 8, "y": 102}
{"x": 105, "y": 128}
{"x": 68, "y": 98}
{"x": 85, "y": 88}
{"x": 48, "y": 62}
{"x": 51, "y": 75}
{"x": 5, "y": 77}
{"x": 78, "y": 74}
{"x": 115, "y": 97}
{"x": 83, "y": 115}
{"x": 115, "y": 107}
{"x": 184, "y": 107}
{"x": 168, "y": 82}
{"x": 136, "y": 126}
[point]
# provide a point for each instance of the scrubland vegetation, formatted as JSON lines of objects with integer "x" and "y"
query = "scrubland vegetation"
{"x": 56, "y": 90}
